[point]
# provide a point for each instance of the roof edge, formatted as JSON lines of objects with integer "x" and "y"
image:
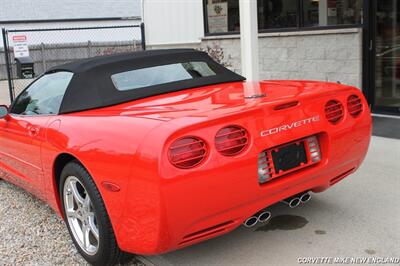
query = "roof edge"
{"x": 68, "y": 20}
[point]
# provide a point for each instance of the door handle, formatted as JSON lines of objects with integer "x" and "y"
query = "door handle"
{"x": 33, "y": 131}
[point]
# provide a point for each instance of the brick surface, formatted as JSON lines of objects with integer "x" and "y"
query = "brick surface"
{"x": 325, "y": 57}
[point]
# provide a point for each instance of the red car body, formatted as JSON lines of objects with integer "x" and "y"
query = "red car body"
{"x": 155, "y": 207}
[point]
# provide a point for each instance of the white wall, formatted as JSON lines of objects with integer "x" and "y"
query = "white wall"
{"x": 67, "y": 9}
{"x": 173, "y": 21}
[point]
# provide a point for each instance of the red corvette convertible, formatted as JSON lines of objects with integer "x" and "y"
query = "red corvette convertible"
{"x": 157, "y": 150}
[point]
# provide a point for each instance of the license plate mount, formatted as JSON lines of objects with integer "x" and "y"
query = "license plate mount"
{"x": 289, "y": 157}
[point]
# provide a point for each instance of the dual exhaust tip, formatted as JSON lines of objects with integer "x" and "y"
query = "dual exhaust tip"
{"x": 260, "y": 217}
{"x": 295, "y": 201}
{"x": 264, "y": 216}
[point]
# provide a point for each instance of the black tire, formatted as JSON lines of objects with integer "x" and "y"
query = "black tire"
{"x": 108, "y": 252}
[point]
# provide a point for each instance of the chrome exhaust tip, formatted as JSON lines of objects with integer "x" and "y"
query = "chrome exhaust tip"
{"x": 250, "y": 222}
{"x": 264, "y": 216}
{"x": 306, "y": 197}
{"x": 292, "y": 202}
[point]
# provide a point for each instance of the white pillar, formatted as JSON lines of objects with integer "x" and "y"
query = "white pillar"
{"x": 323, "y": 12}
{"x": 249, "y": 39}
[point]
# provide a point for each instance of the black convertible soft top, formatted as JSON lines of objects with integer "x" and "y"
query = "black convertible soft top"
{"x": 92, "y": 86}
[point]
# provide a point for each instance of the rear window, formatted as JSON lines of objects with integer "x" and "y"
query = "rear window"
{"x": 157, "y": 75}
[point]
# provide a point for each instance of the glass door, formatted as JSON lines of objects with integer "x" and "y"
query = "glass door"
{"x": 386, "y": 94}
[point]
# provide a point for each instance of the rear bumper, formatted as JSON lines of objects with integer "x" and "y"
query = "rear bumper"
{"x": 228, "y": 219}
{"x": 174, "y": 212}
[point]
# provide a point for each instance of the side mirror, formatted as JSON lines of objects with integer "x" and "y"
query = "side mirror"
{"x": 3, "y": 111}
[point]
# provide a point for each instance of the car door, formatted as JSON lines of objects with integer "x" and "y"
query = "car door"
{"x": 23, "y": 131}
{"x": 20, "y": 142}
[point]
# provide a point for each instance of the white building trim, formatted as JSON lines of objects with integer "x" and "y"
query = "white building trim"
{"x": 249, "y": 38}
{"x": 173, "y": 22}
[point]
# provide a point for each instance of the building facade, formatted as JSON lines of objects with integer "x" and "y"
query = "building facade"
{"x": 354, "y": 42}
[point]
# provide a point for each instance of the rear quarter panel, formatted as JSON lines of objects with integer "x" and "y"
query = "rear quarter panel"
{"x": 105, "y": 145}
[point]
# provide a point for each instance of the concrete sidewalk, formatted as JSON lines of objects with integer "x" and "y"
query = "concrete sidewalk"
{"x": 359, "y": 217}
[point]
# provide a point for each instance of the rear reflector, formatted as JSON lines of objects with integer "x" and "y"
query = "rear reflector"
{"x": 313, "y": 149}
{"x": 354, "y": 105}
{"x": 207, "y": 232}
{"x": 187, "y": 152}
{"x": 110, "y": 186}
{"x": 334, "y": 111}
{"x": 231, "y": 140}
{"x": 341, "y": 177}
{"x": 265, "y": 167}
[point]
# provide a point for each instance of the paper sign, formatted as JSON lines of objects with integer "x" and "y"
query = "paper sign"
{"x": 217, "y": 17}
{"x": 20, "y": 44}
{"x": 332, "y": 12}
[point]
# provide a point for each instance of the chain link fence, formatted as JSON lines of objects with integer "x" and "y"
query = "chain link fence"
{"x": 55, "y": 46}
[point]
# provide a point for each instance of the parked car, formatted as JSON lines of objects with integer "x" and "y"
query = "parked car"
{"x": 154, "y": 151}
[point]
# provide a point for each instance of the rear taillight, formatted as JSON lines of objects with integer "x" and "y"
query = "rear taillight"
{"x": 354, "y": 105}
{"x": 334, "y": 111}
{"x": 187, "y": 152}
{"x": 231, "y": 140}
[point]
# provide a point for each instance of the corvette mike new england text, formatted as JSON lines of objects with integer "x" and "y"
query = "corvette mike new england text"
{"x": 350, "y": 260}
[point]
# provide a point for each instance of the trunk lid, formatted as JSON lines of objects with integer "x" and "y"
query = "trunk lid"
{"x": 226, "y": 99}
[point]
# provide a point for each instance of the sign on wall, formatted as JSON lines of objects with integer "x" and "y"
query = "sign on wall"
{"x": 20, "y": 45}
{"x": 332, "y": 8}
{"x": 217, "y": 17}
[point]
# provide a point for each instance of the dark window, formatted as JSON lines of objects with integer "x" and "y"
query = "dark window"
{"x": 275, "y": 14}
{"x": 151, "y": 76}
{"x": 332, "y": 12}
{"x": 44, "y": 96}
{"x": 222, "y": 16}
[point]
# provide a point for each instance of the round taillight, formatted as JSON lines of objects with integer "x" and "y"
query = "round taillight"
{"x": 354, "y": 105}
{"x": 334, "y": 111}
{"x": 231, "y": 140}
{"x": 187, "y": 152}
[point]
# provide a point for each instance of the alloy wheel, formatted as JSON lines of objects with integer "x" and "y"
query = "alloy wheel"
{"x": 81, "y": 216}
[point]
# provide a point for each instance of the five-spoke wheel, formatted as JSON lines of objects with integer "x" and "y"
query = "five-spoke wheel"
{"x": 81, "y": 216}
{"x": 86, "y": 217}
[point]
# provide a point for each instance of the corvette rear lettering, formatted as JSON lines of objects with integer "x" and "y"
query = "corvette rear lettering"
{"x": 293, "y": 125}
